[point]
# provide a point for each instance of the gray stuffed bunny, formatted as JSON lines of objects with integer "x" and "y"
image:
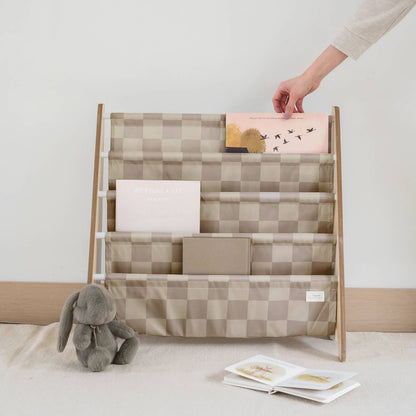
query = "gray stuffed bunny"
{"x": 96, "y": 330}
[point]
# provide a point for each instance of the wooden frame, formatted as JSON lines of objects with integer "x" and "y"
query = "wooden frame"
{"x": 96, "y": 205}
{"x": 96, "y": 217}
{"x": 338, "y": 231}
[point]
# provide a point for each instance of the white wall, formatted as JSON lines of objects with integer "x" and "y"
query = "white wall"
{"x": 60, "y": 58}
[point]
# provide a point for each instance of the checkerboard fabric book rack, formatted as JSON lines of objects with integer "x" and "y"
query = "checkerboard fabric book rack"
{"x": 290, "y": 205}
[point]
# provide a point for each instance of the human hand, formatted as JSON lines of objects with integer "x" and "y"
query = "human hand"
{"x": 289, "y": 96}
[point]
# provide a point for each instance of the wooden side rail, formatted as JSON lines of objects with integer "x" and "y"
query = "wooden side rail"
{"x": 96, "y": 205}
{"x": 338, "y": 231}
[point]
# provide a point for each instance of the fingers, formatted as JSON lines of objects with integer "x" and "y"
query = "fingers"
{"x": 299, "y": 105}
{"x": 288, "y": 104}
{"x": 281, "y": 97}
{"x": 290, "y": 107}
{"x": 277, "y": 101}
{"x": 289, "y": 96}
{"x": 285, "y": 102}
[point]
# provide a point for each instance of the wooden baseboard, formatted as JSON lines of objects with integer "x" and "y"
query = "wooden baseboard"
{"x": 380, "y": 310}
{"x": 34, "y": 303}
{"x": 372, "y": 310}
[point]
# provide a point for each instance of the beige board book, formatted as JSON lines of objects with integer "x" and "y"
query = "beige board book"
{"x": 272, "y": 133}
{"x": 158, "y": 206}
{"x": 268, "y": 374}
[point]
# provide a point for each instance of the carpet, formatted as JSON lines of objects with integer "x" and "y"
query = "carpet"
{"x": 175, "y": 376}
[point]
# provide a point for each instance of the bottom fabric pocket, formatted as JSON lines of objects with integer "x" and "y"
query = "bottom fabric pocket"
{"x": 231, "y": 306}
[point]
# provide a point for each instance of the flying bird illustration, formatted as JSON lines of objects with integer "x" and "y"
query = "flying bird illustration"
{"x": 276, "y": 149}
{"x": 263, "y": 137}
{"x": 277, "y": 136}
{"x": 310, "y": 130}
{"x": 285, "y": 141}
{"x": 299, "y": 137}
{"x": 291, "y": 131}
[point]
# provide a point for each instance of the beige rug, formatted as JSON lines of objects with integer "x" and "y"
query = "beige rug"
{"x": 172, "y": 376}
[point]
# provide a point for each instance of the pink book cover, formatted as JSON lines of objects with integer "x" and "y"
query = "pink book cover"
{"x": 271, "y": 133}
{"x": 158, "y": 206}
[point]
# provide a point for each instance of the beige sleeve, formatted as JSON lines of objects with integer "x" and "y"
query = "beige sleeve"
{"x": 370, "y": 22}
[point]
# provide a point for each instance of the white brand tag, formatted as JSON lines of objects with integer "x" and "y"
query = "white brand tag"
{"x": 315, "y": 296}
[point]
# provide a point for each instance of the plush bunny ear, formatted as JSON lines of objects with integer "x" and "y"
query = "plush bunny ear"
{"x": 66, "y": 321}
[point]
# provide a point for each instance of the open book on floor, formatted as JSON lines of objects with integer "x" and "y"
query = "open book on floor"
{"x": 267, "y": 374}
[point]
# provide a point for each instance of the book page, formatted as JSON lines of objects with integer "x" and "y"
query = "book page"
{"x": 317, "y": 379}
{"x": 265, "y": 370}
{"x": 322, "y": 396}
{"x": 239, "y": 381}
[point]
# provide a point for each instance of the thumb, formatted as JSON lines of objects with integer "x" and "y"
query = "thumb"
{"x": 290, "y": 106}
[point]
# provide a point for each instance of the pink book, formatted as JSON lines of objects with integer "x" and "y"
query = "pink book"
{"x": 158, "y": 206}
{"x": 271, "y": 133}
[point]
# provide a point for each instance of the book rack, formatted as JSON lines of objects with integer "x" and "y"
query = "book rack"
{"x": 290, "y": 205}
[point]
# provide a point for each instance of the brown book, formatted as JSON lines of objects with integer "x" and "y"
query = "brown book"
{"x": 216, "y": 255}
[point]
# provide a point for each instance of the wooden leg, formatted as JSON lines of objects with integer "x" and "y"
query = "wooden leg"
{"x": 338, "y": 231}
{"x": 341, "y": 331}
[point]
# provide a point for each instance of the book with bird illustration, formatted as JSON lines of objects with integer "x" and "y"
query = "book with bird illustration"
{"x": 268, "y": 374}
{"x": 272, "y": 133}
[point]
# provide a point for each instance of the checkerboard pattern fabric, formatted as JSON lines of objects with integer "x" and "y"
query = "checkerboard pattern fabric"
{"x": 168, "y": 132}
{"x": 283, "y": 202}
{"x": 227, "y": 172}
{"x": 272, "y": 254}
{"x": 255, "y": 212}
{"x": 224, "y": 306}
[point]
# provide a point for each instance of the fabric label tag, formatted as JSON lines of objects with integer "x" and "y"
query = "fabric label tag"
{"x": 315, "y": 296}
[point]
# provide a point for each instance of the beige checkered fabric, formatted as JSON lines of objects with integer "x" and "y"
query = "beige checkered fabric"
{"x": 224, "y": 306}
{"x": 228, "y": 172}
{"x": 256, "y": 212}
{"x": 272, "y": 254}
{"x": 168, "y": 132}
{"x": 283, "y": 202}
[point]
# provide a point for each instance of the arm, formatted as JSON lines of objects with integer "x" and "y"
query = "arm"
{"x": 371, "y": 21}
{"x": 129, "y": 347}
{"x": 82, "y": 336}
{"x": 120, "y": 330}
{"x": 292, "y": 92}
